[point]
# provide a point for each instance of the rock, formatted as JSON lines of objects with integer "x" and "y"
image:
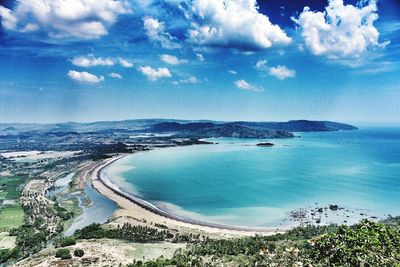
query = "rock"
{"x": 320, "y": 210}
{"x": 265, "y": 144}
{"x": 333, "y": 207}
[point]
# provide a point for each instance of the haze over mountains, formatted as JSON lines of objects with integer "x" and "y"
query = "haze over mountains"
{"x": 169, "y": 125}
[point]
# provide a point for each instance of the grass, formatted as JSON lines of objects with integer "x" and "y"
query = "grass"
{"x": 9, "y": 187}
{"x": 11, "y": 217}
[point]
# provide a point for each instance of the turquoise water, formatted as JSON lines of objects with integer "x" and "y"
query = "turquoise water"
{"x": 237, "y": 183}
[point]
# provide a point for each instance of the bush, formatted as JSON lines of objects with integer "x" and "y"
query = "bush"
{"x": 79, "y": 252}
{"x": 364, "y": 244}
{"x": 8, "y": 254}
{"x": 63, "y": 253}
{"x": 68, "y": 241}
{"x": 63, "y": 213}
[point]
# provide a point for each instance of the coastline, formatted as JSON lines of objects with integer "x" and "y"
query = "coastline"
{"x": 137, "y": 210}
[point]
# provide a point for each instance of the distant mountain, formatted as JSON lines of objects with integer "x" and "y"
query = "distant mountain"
{"x": 177, "y": 127}
{"x": 300, "y": 125}
{"x": 165, "y": 125}
{"x": 293, "y": 126}
{"x": 237, "y": 131}
{"x": 209, "y": 129}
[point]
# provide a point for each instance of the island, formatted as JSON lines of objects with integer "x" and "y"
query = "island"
{"x": 266, "y": 144}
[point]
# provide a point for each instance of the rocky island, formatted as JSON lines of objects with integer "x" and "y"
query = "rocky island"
{"x": 266, "y": 144}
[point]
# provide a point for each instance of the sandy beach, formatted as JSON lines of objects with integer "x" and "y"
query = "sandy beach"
{"x": 139, "y": 212}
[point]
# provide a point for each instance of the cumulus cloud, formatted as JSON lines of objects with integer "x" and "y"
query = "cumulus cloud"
{"x": 115, "y": 75}
{"x": 125, "y": 63}
{"x": 190, "y": 79}
{"x": 234, "y": 23}
{"x": 341, "y": 31}
{"x": 84, "y": 77}
{"x": 156, "y": 32}
{"x": 243, "y": 85}
{"x": 281, "y": 72}
{"x": 91, "y": 61}
{"x": 81, "y": 19}
{"x": 200, "y": 57}
{"x": 261, "y": 64}
{"x": 154, "y": 74}
{"x": 172, "y": 60}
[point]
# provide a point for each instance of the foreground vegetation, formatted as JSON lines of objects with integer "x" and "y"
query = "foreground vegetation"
{"x": 364, "y": 244}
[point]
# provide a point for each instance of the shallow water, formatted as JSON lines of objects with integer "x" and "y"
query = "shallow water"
{"x": 99, "y": 211}
{"x": 238, "y": 183}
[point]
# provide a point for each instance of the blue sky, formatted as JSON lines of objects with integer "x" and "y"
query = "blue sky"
{"x": 88, "y": 60}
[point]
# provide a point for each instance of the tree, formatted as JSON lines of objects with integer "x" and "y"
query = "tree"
{"x": 79, "y": 252}
{"x": 67, "y": 241}
{"x": 63, "y": 253}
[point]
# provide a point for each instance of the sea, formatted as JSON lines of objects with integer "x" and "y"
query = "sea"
{"x": 235, "y": 182}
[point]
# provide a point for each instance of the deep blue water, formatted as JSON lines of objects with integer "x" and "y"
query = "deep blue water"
{"x": 238, "y": 183}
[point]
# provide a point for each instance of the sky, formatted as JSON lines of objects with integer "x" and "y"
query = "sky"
{"x": 91, "y": 60}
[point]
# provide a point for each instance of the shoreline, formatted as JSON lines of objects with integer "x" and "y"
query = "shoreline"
{"x": 133, "y": 206}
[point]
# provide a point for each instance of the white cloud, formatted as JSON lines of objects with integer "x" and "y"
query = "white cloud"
{"x": 234, "y": 23}
{"x": 190, "y": 79}
{"x": 81, "y": 19}
{"x": 155, "y": 31}
{"x": 115, "y": 75}
{"x": 341, "y": 31}
{"x": 91, "y": 61}
{"x": 233, "y": 72}
{"x": 8, "y": 20}
{"x": 84, "y": 77}
{"x": 243, "y": 85}
{"x": 281, "y": 72}
{"x": 261, "y": 64}
{"x": 125, "y": 63}
{"x": 154, "y": 74}
{"x": 172, "y": 60}
{"x": 200, "y": 57}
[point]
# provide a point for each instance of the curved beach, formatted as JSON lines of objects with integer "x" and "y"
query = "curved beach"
{"x": 137, "y": 209}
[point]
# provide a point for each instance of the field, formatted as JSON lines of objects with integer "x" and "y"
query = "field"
{"x": 11, "y": 217}
{"x": 9, "y": 187}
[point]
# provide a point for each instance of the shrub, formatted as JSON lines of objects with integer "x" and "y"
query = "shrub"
{"x": 364, "y": 244}
{"x": 79, "y": 252}
{"x": 63, "y": 253}
{"x": 67, "y": 241}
